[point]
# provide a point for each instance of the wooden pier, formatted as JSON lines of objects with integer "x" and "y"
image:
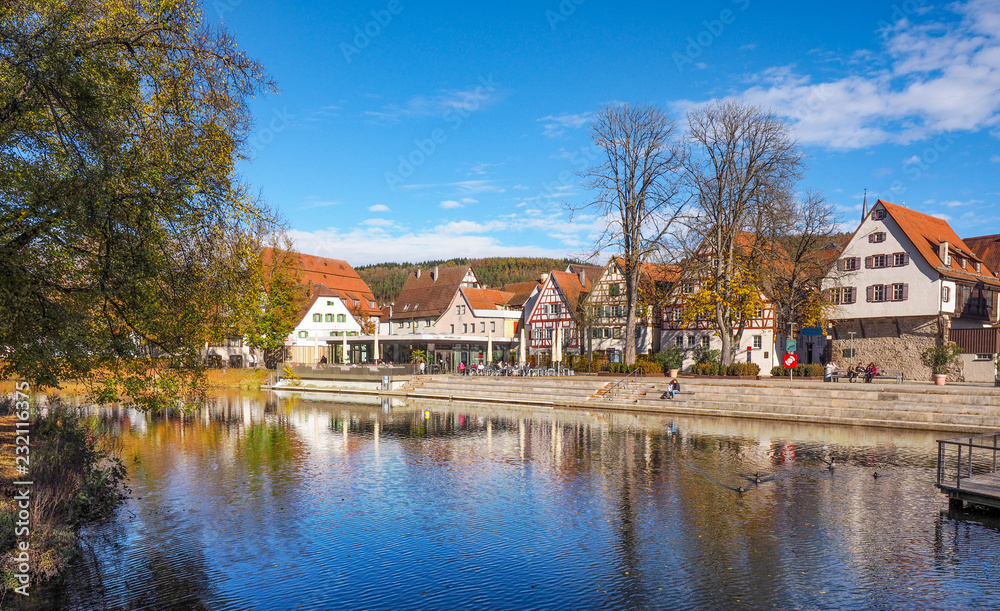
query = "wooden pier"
{"x": 967, "y": 470}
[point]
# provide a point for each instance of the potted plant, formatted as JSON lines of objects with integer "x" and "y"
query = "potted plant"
{"x": 671, "y": 359}
{"x": 939, "y": 359}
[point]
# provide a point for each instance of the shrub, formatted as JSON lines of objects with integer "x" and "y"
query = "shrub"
{"x": 940, "y": 358}
{"x": 705, "y": 369}
{"x": 704, "y": 355}
{"x": 814, "y": 370}
{"x": 743, "y": 369}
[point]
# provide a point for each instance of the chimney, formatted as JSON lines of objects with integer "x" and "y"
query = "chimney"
{"x": 418, "y": 272}
{"x": 943, "y": 253}
{"x": 583, "y": 278}
{"x": 434, "y": 275}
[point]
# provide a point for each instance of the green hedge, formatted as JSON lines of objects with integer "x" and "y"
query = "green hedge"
{"x": 736, "y": 369}
{"x": 814, "y": 370}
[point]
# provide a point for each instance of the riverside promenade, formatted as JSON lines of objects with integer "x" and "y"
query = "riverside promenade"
{"x": 961, "y": 408}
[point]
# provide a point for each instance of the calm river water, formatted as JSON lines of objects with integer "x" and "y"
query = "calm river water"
{"x": 259, "y": 502}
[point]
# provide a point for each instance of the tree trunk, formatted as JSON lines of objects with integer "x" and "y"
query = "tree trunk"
{"x": 631, "y": 296}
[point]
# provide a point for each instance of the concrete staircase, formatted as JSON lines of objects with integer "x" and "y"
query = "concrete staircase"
{"x": 910, "y": 405}
{"x": 531, "y": 391}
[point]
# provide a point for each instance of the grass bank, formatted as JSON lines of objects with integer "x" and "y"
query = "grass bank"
{"x": 244, "y": 379}
{"x": 77, "y": 478}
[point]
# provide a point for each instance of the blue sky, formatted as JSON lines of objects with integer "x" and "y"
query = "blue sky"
{"x": 407, "y": 131}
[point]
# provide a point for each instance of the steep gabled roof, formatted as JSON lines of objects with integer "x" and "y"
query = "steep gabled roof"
{"x": 572, "y": 290}
{"x": 987, "y": 248}
{"x": 592, "y": 272}
{"x": 520, "y": 292}
{"x": 486, "y": 299}
{"x": 425, "y": 296}
{"x": 927, "y": 233}
{"x": 337, "y": 277}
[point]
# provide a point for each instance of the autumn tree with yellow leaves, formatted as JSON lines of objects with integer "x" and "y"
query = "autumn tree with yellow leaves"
{"x": 125, "y": 233}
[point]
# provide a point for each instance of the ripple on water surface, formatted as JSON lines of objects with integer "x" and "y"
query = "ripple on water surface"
{"x": 296, "y": 504}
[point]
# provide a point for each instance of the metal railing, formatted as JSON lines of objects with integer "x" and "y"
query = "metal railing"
{"x": 964, "y": 457}
{"x": 620, "y": 385}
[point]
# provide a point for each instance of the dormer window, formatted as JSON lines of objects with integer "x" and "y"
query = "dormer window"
{"x": 961, "y": 262}
{"x": 406, "y": 307}
{"x": 976, "y": 266}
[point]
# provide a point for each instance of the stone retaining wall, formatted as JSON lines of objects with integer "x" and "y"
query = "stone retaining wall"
{"x": 891, "y": 343}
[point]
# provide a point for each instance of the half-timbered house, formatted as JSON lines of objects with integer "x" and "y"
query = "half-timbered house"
{"x": 552, "y": 322}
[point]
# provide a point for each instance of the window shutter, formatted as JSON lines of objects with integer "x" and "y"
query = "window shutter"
{"x": 871, "y": 293}
{"x": 886, "y": 292}
{"x": 906, "y": 291}
{"x": 857, "y": 262}
{"x": 871, "y": 238}
{"x": 868, "y": 262}
{"x": 841, "y": 264}
{"x": 906, "y": 258}
{"x": 854, "y": 294}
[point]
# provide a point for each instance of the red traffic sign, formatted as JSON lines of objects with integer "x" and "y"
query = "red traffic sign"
{"x": 791, "y": 360}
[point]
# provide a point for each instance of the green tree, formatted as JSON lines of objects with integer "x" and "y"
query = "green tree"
{"x": 124, "y": 232}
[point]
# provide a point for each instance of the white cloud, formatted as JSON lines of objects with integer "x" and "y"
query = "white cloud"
{"x": 462, "y": 187}
{"x": 940, "y": 77}
{"x": 556, "y": 125}
{"x": 378, "y": 208}
{"x": 450, "y": 203}
{"x": 362, "y": 245}
{"x": 469, "y": 200}
{"x": 445, "y": 103}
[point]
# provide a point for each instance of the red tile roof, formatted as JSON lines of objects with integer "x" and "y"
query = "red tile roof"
{"x": 987, "y": 248}
{"x": 486, "y": 299}
{"x": 336, "y": 276}
{"x": 572, "y": 290}
{"x": 927, "y": 233}
{"x": 425, "y": 296}
{"x": 520, "y": 292}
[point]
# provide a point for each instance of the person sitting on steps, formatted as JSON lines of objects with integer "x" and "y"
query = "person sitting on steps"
{"x": 672, "y": 389}
{"x": 870, "y": 372}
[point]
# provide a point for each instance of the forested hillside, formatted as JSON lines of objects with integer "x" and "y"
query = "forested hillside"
{"x": 386, "y": 279}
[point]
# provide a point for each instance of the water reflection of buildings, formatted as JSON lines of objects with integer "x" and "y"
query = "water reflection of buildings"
{"x": 642, "y": 496}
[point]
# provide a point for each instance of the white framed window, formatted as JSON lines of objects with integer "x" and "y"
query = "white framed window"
{"x": 690, "y": 341}
{"x": 878, "y": 214}
{"x": 850, "y": 264}
{"x": 493, "y": 326}
{"x": 687, "y": 287}
{"x": 880, "y": 261}
{"x": 876, "y": 292}
{"x": 317, "y": 318}
{"x": 329, "y": 318}
{"x": 482, "y": 327}
{"x": 758, "y": 342}
{"x": 706, "y": 341}
{"x": 945, "y": 294}
{"x": 900, "y": 259}
{"x": 900, "y": 292}
{"x": 303, "y": 334}
{"x": 341, "y": 317}
{"x": 679, "y": 341}
{"x": 876, "y": 237}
